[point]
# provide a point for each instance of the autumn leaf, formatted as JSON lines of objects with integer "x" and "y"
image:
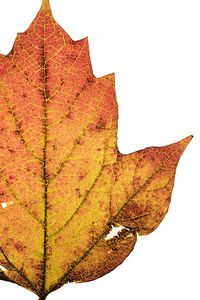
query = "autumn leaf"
{"x": 64, "y": 186}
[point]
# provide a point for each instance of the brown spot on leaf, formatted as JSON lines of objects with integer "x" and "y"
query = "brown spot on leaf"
{"x": 100, "y": 125}
{"x": 17, "y": 132}
{"x": 90, "y": 80}
{"x": 20, "y": 124}
{"x": 78, "y": 193}
{"x": 19, "y": 246}
{"x": 69, "y": 116}
{"x": 11, "y": 150}
{"x": 26, "y": 74}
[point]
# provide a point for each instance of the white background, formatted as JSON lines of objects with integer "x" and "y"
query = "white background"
{"x": 153, "y": 46}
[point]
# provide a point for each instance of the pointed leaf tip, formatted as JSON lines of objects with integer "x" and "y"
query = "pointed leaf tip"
{"x": 46, "y": 5}
{"x": 186, "y": 141}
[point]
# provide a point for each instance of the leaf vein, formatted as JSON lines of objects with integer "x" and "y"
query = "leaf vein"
{"x": 17, "y": 125}
{"x": 19, "y": 271}
{"x": 78, "y": 139}
{"x": 65, "y": 76}
{"x": 86, "y": 194}
{"x": 26, "y": 52}
{"x": 27, "y": 77}
{"x": 18, "y": 199}
{"x": 71, "y": 107}
{"x": 106, "y": 230}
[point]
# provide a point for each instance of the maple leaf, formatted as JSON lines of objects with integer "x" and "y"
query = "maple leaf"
{"x": 64, "y": 185}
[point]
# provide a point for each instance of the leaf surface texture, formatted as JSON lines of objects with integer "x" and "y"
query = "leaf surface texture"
{"x": 63, "y": 182}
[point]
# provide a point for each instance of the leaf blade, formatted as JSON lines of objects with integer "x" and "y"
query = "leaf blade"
{"x": 62, "y": 150}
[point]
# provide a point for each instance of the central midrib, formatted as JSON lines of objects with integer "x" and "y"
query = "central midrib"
{"x": 44, "y": 169}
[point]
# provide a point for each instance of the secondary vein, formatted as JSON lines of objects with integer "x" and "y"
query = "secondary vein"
{"x": 18, "y": 199}
{"x": 86, "y": 194}
{"x": 78, "y": 139}
{"x": 17, "y": 125}
{"x": 18, "y": 271}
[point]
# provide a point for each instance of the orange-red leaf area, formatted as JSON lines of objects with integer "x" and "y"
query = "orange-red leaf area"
{"x": 63, "y": 182}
